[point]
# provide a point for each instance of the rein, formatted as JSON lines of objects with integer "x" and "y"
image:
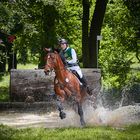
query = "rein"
{"x": 60, "y": 68}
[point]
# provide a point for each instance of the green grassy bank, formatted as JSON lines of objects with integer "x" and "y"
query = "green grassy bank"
{"x": 88, "y": 133}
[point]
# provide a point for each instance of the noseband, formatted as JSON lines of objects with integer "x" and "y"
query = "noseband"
{"x": 52, "y": 63}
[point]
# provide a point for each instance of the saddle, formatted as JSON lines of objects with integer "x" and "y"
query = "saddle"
{"x": 76, "y": 74}
{"x": 83, "y": 81}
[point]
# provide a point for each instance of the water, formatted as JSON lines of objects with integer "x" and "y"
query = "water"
{"x": 100, "y": 116}
{"x": 103, "y": 115}
{"x": 119, "y": 117}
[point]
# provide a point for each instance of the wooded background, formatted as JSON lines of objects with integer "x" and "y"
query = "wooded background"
{"x": 37, "y": 24}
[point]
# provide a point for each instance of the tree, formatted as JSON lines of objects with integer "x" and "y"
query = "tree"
{"x": 116, "y": 52}
{"x": 36, "y": 30}
{"x": 95, "y": 29}
{"x": 85, "y": 29}
{"x": 8, "y": 25}
{"x": 134, "y": 8}
{"x": 49, "y": 16}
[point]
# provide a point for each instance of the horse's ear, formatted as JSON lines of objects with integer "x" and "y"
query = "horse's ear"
{"x": 47, "y": 49}
{"x": 55, "y": 52}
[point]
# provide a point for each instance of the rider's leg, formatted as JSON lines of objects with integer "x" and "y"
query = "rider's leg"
{"x": 82, "y": 79}
{"x": 85, "y": 84}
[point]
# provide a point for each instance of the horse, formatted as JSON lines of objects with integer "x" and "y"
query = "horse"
{"x": 66, "y": 84}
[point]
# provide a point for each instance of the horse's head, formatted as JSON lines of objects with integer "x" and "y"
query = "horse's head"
{"x": 52, "y": 60}
{"x": 50, "y": 63}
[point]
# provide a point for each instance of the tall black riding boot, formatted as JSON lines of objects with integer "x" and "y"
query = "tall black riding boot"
{"x": 85, "y": 84}
{"x": 83, "y": 81}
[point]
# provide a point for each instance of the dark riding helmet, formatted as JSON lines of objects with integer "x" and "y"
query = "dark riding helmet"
{"x": 63, "y": 41}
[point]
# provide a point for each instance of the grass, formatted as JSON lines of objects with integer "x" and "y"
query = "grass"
{"x": 4, "y": 87}
{"x": 27, "y": 66}
{"x": 88, "y": 133}
{"x": 5, "y": 82}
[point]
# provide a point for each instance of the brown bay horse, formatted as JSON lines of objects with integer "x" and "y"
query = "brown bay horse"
{"x": 66, "y": 84}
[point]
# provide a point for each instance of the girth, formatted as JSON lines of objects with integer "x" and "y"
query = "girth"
{"x": 71, "y": 65}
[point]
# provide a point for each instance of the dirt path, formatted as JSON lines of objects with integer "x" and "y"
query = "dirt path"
{"x": 32, "y": 119}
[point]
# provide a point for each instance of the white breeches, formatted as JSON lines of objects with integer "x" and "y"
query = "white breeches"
{"x": 76, "y": 68}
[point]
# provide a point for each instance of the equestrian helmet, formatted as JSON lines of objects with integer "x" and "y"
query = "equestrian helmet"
{"x": 63, "y": 41}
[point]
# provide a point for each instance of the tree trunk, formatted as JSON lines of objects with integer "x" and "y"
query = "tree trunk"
{"x": 49, "y": 15}
{"x": 2, "y": 59}
{"x": 11, "y": 57}
{"x": 3, "y": 37}
{"x": 85, "y": 20}
{"x": 95, "y": 29}
{"x": 8, "y": 53}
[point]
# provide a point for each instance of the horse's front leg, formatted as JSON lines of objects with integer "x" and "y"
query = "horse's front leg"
{"x": 60, "y": 99}
{"x": 59, "y": 103}
{"x": 81, "y": 114}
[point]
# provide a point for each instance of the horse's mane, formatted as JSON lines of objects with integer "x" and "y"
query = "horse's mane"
{"x": 58, "y": 57}
{"x": 61, "y": 59}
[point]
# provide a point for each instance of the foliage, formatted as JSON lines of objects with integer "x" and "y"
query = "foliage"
{"x": 115, "y": 59}
{"x": 30, "y": 27}
{"x": 4, "y": 15}
{"x": 69, "y": 26}
{"x": 25, "y": 19}
{"x": 88, "y": 133}
{"x": 133, "y": 7}
{"x": 4, "y": 88}
{"x": 4, "y": 94}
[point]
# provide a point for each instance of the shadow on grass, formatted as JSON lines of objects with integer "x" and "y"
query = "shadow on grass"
{"x": 1, "y": 77}
{"x": 4, "y": 94}
{"x": 2, "y": 74}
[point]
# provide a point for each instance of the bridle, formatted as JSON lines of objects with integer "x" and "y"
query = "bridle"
{"x": 53, "y": 63}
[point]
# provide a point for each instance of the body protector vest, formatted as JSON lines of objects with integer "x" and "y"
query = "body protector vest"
{"x": 67, "y": 55}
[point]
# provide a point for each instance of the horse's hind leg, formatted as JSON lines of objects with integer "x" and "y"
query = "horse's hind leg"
{"x": 80, "y": 112}
{"x": 62, "y": 114}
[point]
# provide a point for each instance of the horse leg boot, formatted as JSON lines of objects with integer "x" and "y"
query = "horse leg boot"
{"x": 80, "y": 112}
{"x": 85, "y": 84}
{"x": 62, "y": 114}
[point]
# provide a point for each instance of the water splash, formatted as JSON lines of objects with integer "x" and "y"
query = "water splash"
{"x": 100, "y": 116}
{"x": 118, "y": 117}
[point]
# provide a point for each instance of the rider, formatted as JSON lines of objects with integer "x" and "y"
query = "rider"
{"x": 69, "y": 55}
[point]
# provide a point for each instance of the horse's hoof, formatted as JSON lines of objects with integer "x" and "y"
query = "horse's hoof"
{"x": 62, "y": 115}
{"x": 83, "y": 124}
